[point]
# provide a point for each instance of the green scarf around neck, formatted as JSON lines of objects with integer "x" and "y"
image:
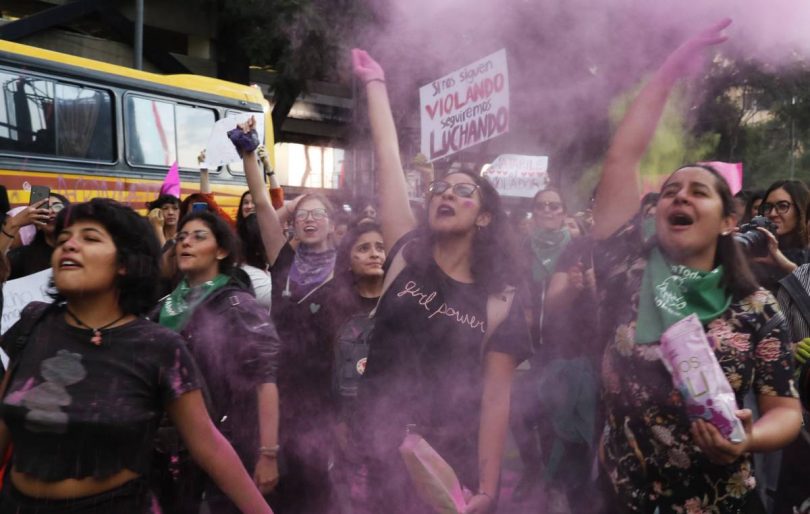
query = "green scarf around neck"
{"x": 179, "y": 305}
{"x": 547, "y": 245}
{"x": 670, "y": 292}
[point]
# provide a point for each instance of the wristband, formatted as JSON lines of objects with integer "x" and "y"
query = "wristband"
{"x": 369, "y": 81}
{"x": 269, "y": 451}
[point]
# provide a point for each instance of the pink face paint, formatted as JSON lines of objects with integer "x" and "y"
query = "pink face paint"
{"x": 469, "y": 204}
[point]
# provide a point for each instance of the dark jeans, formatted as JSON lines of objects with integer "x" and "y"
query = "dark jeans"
{"x": 131, "y": 498}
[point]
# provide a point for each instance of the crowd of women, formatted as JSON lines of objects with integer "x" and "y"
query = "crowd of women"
{"x": 193, "y": 363}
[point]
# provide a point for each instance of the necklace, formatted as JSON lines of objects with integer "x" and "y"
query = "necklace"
{"x": 96, "y": 339}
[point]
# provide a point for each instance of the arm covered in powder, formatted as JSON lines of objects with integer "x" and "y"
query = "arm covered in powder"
{"x": 212, "y": 452}
{"x": 270, "y": 225}
{"x": 499, "y": 369}
{"x": 395, "y": 212}
{"x": 619, "y": 191}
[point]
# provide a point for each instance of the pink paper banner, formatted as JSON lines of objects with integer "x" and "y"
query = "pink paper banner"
{"x": 171, "y": 184}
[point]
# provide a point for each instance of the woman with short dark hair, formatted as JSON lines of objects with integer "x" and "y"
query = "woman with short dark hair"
{"x": 164, "y": 213}
{"x": 90, "y": 379}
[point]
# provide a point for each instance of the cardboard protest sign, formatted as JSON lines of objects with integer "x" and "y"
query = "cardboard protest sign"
{"x": 518, "y": 175}
{"x": 466, "y": 107}
{"x": 20, "y": 292}
{"x": 220, "y": 151}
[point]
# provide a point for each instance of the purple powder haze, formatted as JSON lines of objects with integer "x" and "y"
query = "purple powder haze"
{"x": 568, "y": 60}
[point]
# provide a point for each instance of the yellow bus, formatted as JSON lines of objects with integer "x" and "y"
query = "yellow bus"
{"x": 89, "y": 129}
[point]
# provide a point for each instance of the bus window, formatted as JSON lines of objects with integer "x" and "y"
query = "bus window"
{"x": 193, "y": 129}
{"x": 85, "y": 123}
{"x": 150, "y": 132}
{"x": 26, "y": 114}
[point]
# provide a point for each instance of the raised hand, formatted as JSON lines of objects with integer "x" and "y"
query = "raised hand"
{"x": 687, "y": 58}
{"x": 365, "y": 67}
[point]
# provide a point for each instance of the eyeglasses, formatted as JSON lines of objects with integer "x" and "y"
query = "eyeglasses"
{"x": 781, "y": 207}
{"x": 317, "y": 214}
{"x": 462, "y": 189}
{"x": 56, "y": 206}
{"x": 548, "y": 206}
{"x": 198, "y": 235}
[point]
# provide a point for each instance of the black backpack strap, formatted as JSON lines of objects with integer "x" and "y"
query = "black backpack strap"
{"x": 29, "y": 318}
{"x": 795, "y": 289}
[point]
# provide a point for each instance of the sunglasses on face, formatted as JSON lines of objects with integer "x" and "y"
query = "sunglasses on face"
{"x": 548, "y": 206}
{"x": 463, "y": 189}
{"x": 56, "y": 206}
{"x": 317, "y": 214}
{"x": 197, "y": 235}
{"x": 781, "y": 207}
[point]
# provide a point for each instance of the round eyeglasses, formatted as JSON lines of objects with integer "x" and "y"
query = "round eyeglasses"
{"x": 462, "y": 189}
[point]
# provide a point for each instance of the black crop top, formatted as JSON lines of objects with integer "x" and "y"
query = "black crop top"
{"x": 76, "y": 410}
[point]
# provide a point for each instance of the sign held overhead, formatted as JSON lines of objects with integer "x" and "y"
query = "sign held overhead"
{"x": 519, "y": 175}
{"x": 466, "y": 107}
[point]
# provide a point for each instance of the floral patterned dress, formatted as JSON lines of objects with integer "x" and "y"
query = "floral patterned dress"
{"x": 647, "y": 447}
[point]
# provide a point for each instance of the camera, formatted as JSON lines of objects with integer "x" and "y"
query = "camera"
{"x": 753, "y": 241}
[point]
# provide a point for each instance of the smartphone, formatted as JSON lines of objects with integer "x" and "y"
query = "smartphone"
{"x": 39, "y": 193}
{"x": 199, "y": 207}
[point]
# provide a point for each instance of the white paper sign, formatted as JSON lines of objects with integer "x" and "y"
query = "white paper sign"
{"x": 220, "y": 151}
{"x": 20, "y": 292}
{"x": 466, "y": 107}
{"x": 519, "y": 175}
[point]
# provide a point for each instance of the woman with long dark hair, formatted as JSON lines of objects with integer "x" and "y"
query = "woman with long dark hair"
{"x": 253, "y": 255}
{"x": 90, "y": 379}
{"x": 435, "y": 362}
{"x": 650, "y": 275}
{"x": 234, "y": 343}
{"x": 785, "y": 204}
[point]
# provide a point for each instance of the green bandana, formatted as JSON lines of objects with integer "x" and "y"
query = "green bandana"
{"x": 180, "y": 304}
{"x": 547, "y": 245}
{"x": 669, "y": 293}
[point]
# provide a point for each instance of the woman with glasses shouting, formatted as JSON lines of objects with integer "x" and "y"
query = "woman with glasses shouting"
{"x": 235, "y": 345}
{"x": 445, "y": 342}
{"x": 305, "y": 365}
{"x": 785, "y": 205}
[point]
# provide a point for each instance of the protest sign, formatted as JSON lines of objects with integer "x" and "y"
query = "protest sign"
{"x": 20, "y": 292}
{"x": 220, "y": 151}
{"x": 466, "y": 107}
{"x": 518, "y": 175}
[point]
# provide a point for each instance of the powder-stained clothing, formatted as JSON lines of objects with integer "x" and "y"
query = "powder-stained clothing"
{"x": 649, "y": 452}
{"x": 425, "y": 367}
{"x": 77, "y": 410}
{"x": 235, "y": 345}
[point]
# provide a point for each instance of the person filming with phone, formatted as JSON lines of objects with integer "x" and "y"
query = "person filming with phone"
{"x": 41, "y": 212}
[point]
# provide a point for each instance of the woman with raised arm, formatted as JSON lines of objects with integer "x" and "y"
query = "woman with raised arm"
{"x": 90, "y": 380}
{"x": 448, "y": 331}
{"x": 657, "y": 459}
{"x": 306, "y": 360}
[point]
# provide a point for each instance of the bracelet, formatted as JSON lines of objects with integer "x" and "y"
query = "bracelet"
{"x": 3, "y": 230}
{"x": 369, "y": 81}
{"x": 269, "y": 451}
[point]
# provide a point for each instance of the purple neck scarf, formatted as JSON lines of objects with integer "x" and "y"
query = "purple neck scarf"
{"x": 310, "y": 268}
